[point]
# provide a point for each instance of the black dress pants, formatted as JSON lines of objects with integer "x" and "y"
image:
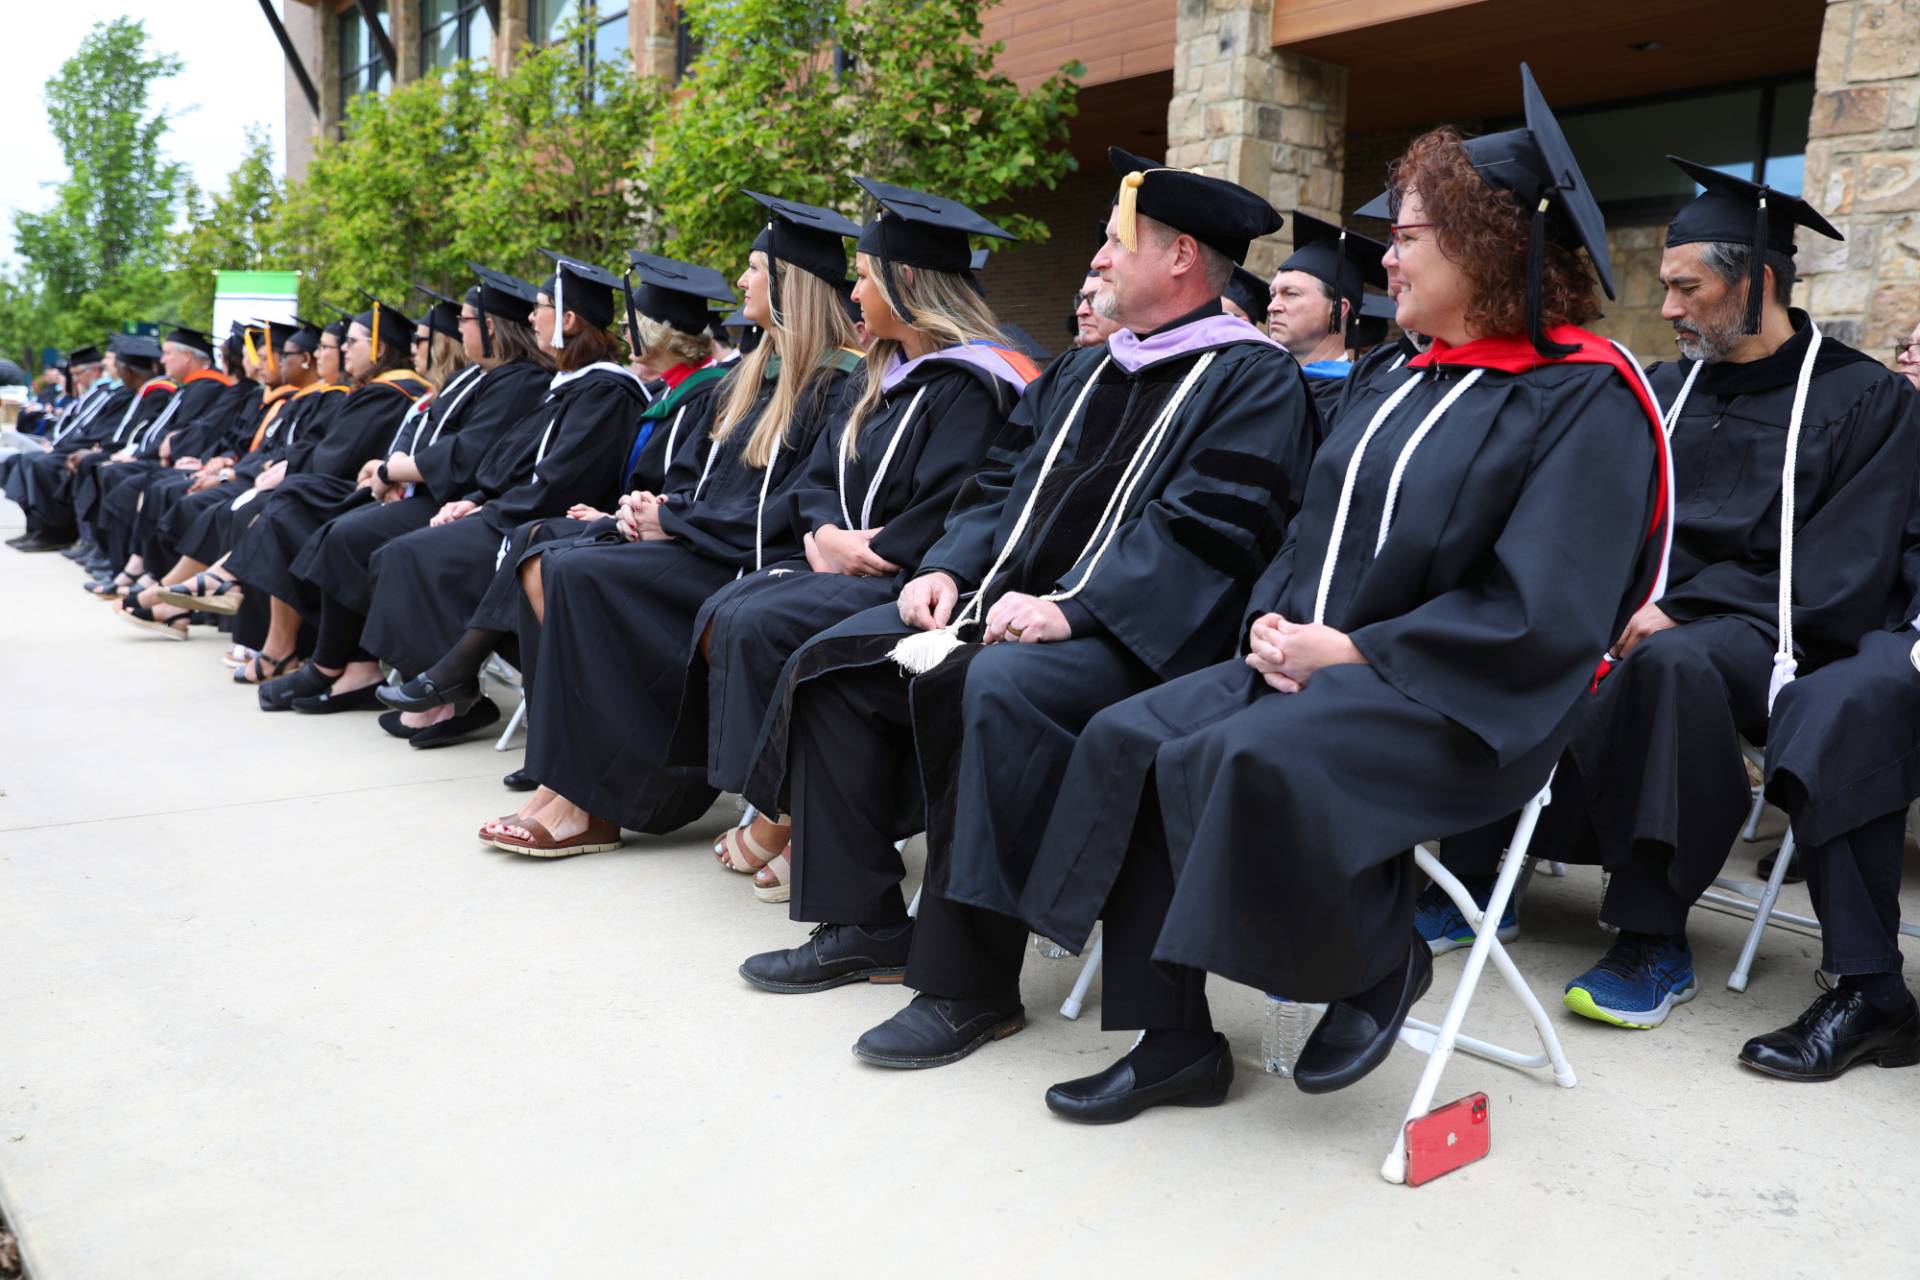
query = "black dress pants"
{"x": 1136, "y": 993}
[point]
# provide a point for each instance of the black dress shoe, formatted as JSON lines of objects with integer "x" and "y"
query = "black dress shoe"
{"x": 278, "y": 693}
{"x": 1115, "y": 1095}
{"x": 421, "y": 694}
{"x": 460, "y": 726}
{"x": 934, "y": 1030}
{"x": 41, "y": 542}
{"x": 17, "y": 539}
{"x": 390, "y": 724}
{"x": 80, "y": 550}
{"x": 520, "y": 780}
{"x": 1764, "y": 869}
{"x": 326, "y": 702}
{"x": 1355, "y": 1035}
{"x": 1841, "y": 1030}
{"x": 835, "y": 955}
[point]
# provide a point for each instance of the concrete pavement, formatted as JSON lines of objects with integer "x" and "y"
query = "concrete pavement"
{"x": 268, "y": 1009}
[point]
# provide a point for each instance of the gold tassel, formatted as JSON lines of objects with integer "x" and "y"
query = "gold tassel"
{"x": 376, "y": 333}
{"x": 246, "y": 343}
{"x": 1125, "y": 225}
{"x": 273, "y": 360}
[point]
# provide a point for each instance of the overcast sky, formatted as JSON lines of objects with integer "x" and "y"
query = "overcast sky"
{"x": 233, "y": 77}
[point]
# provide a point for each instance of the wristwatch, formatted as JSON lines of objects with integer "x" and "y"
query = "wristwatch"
{"x": 381, "y": 471}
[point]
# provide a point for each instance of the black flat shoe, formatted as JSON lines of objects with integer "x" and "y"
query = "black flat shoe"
{"x": 520, "y": 780}
{"x": 1349, "y": 1041}
{"x": 390, "y": 724}
{"x": 278, "y": 693}
{"x": 421, "y": 694}
{"x": 1113, "y": 1095}
{"x": 1840, "y": 1031}
{"x": 933, "y": 1031}
{"x": 39, "y": 542}
{"x": 326, "y": 702}
{"x": 459, "y": 726}
{"x": 835, "y": 955}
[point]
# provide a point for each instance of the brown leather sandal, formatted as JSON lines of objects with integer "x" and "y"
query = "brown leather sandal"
{"x": 600, "y": 836}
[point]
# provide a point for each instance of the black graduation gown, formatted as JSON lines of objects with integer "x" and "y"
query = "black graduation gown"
{"x": 447, "y": 444}
{"x": 155, "y": 534}
{"x": 952, "y": 414}
{"x": 321, "y": 482}
{"x": 212, "y": 523}
{"x": 991, "y": 728}
{"x": 1517, "y": 547}
{"x": 41, "y": 483}
{"x": 1326, "y": 393}
{"x": 1653, "y": 786}
{"x": 94, "y": 474}
{"x": 425, "y": 584}
{"x": 613, "y": 652}
{"x": 200, "y": 409}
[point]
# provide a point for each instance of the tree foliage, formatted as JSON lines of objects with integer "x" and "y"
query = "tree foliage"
{"x": 99, "y": 255}
{"x": 792, "y": 97}
{"x": 232, "y": 231}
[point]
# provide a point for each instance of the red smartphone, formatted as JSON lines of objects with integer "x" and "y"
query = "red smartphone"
{"x": 1447, "y": 1137}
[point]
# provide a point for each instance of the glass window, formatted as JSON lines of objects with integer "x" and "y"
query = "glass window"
{"x": 1786, "y": 159}
{"x": 362, "y": 70}
{"x": 451, "y": 30}
{"x": 610, "y": 39}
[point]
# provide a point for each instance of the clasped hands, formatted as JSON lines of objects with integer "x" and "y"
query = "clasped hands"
{"x": 927, "y": 603}
{"x": 453, "y": 511}
{"x": 639, "y": 517}
{"x": 1286, "y": 654}
{"x": 831, "y": 549}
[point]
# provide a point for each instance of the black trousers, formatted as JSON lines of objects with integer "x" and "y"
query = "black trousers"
{"x": 1855, "y": 882}
{"x": 1136, "y": 993}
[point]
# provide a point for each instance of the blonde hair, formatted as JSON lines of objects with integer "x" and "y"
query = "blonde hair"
{"x": 811, "y": 323}
{"x": 445, "y": 357}
{"x": 946, "y": 308}
{"x": 658, "y": 338}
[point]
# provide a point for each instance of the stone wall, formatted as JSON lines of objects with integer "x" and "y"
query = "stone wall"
{"x": 1863, "y": 172}
{"x": 1633, "y": 318}
{"x": 1274, "y": 122}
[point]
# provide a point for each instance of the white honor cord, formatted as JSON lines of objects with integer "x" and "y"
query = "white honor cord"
{"x": 412, "y": 415}
{"x": 673, "y": 433}
{"x": 1406, "y": 453}
{"x": 1686, "y": 389}
{"x": 1346, "y": 494}
{"x": 121, "y": 426}
{"x": 873, "y": 486}
{"x": 1397, "y": 362}
{"x": 440, "y": 422}
{"x": 146, "y": 433}
{"x": 759, "y": 509}
{"x": 706, "y": 468}
{"x": 1785, "y": 666}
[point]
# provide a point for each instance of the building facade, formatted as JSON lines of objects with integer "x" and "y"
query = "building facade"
{"x": 1308, "y": 101}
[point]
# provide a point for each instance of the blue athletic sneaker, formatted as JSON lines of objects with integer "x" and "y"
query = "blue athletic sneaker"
{"x": 1636, "y": 984}
{"x": 1437, "y": 920}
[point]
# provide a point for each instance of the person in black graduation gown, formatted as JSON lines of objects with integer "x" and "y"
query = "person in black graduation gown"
{"x": 91, "y": 387}
{"x": 42, "y": 483}
{"x": 1247, "y": 297}
{"x": 1315, "y": 297}
{"x": 607, "y": 619}
{"x": 432, "y": 460}
{"x": 928, "y": 411}
{"x": 1164, "y": 469}
{"x": 324, "y": 472}
{"x": 1473, "y": 533}
{"x": 1843, "y": 761}
{"x": 666, "y": 317}
{"x": 567, "y": 451}
{"x": 1653, "y": 786}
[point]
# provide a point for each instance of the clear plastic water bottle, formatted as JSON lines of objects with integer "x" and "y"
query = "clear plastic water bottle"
{"x": 1047, "y": 949}
{"x": 1288, "y": 1026}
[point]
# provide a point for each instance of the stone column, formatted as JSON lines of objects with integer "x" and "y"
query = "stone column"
{"x": 403, "y": 28}
{"x": 1863, "y": 173}
{"x": 653, "y": 30}
{"x": 1272, "y": 121}
{"x": 510, "y": 34}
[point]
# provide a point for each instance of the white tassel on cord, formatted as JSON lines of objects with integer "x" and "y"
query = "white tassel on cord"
{"x": 1785, "y": 665}
{"x": 559, "y": 338}
{"x": 923, "y": 651}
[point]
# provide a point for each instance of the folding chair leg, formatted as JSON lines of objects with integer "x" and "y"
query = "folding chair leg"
{"x": 519, "y": 717}
{"x": 1070, "y": 1008}
{"x": 1737, "y": 980}
{"x": 1751, "y": 831}
{"x": 1485, "y": 945}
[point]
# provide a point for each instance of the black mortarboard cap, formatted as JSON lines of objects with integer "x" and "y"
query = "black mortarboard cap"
{"x": 1381, "y": 207}
{"x": 1538, "y": 166}
{"x": 1735, "y": 211}
{"x": 1250, "y": 293}
{"x": 443, "y": 316}
{"x": 737, "y": 320}
{"x": 676, "y": 293}
{"x": 133, "y": 346}
{"x": 1219, "y": 214}
{"x": 915, "y": 229}
{"x": 805, "y": 236}
{"x": 83, "y": 355}
{"x": 582, "y": 288}
{"x": 180, "y": 335}
{"x": 978, "y": 262}
{"x": 1346, "y": 260}
{"x": 387, "y": 325}
{"x": 1368, "y": 327}
{"x": 280, "y": 332}
{"x": 306, "y": 337}
{"x": 508, "y": 297}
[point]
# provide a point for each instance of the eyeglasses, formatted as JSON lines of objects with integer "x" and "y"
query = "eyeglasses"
{"x": 1396, "y": 236}
{"x": 420, "y": 341}
{"x": 1900, "y": 349}
{"x": 543, "y": 306}
{"x": 1082, "y": 300}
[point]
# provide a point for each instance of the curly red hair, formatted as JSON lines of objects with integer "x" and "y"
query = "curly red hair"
{"x": 1484, "y": 231}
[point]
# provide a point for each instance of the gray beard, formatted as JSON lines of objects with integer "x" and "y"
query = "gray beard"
{"x": 1718, "y": 334}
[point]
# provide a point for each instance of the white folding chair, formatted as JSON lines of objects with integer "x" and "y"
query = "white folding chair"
{"x": 1439, "y": 1041}
{"x": 498, "y": 668}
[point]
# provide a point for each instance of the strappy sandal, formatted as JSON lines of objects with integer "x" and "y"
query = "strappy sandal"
{"x": 237, "y": 656}
{"x": 778, "y": 888}
{"x": 600, "y": 836}
{"x": 141, "y": 616}
{"x": 119, "y": 589}
{"x": 737, "y": 850}
{"x": 260, "y": 668}
{"x": 208, "y": 592}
